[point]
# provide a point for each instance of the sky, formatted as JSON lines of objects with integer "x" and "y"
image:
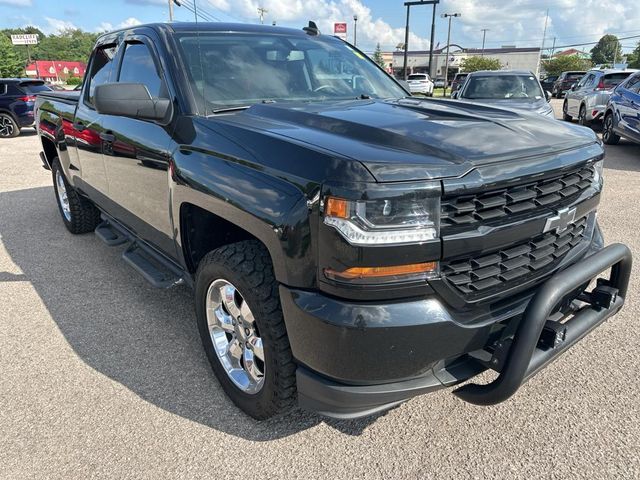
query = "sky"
{"x": 509, "y": 22}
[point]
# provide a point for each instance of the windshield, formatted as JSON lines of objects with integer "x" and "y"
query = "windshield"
{"x": 237, "y": 69}
{"x": 502, "y": 86}
{"x": 614, "y": 79}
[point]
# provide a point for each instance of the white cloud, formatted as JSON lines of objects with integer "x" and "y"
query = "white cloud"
{"x": 55, "y": 25}
{"x": 107, "y": 26}
{"x": 221, "y": 4}
{"x": 16, "y": 3}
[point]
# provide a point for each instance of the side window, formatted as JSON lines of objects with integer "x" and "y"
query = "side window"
{"x": 633, "y": 85}
{"x": 100, "y": 70}
{"x": 586, "y": 80}
{"x": 3, "y": 88}
{"x": 138, "y": 67}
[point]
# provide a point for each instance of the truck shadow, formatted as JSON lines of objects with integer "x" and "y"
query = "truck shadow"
{"x": 143, "y": 338}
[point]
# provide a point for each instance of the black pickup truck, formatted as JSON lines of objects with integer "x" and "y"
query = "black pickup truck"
{"x": 349, "y": 246}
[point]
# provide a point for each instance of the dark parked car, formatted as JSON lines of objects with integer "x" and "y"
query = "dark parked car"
{"x": 517, "y": 89}
{"x": 622, "y": 116}
{"x": 349, "y": 246}
{"x": 458, "y": 80}
{"x": 547, "y": 82}
{"x": 17, "y": 98}
{"x": 565, "y": 81}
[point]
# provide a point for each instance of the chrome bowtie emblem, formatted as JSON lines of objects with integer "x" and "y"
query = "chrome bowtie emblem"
{"x": 560, "y": 221}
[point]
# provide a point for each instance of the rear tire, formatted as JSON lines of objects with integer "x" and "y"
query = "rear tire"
{"x": 582, "y": 117}
{"x": 609, "y": 137}
{"x": 246, "y": 269}
{"x": 565, "y": 116}
{"x": 78, "y": 214}
{"x": 8, "y": 126}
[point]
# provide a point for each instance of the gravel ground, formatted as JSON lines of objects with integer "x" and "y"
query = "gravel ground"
{"x": 103, "y": 376}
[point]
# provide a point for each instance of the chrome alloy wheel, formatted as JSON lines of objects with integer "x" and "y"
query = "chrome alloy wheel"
{"x": 6, "y": 126}
{"x": 62, "y": 196}
{"x": 235, "y": 336}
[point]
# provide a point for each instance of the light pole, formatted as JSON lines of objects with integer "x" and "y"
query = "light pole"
{"x": 446, "y": 63}
{"x": 171, "y": 2}
{"x": 355, "y": 30}
{"x": 484, "y": 34}
{"x": 406, "y": 31}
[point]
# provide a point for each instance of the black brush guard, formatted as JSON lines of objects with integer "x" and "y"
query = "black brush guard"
{"x": 525, "y": 357}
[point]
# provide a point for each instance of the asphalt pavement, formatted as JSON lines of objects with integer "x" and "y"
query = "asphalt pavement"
{"x": 103, "y": 376}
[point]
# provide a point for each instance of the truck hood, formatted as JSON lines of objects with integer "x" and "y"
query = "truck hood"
{"x": 412, "y": 139}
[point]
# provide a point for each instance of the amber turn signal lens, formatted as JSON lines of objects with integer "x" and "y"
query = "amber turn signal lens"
{"x": 337, "y": 207}
{"x": 378, "y": 272}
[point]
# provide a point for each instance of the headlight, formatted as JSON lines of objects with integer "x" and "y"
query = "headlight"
{"x": 389, "y": 215}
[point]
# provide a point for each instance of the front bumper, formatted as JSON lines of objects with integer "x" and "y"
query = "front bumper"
{"x": 356, "y": 359}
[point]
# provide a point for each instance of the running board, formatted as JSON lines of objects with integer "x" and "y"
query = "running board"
{"x": 110, "y": 234}
{"x": 155, "y": 269}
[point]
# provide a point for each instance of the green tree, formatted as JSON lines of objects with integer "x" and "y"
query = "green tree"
{"x": 475, "y": 63}
{"x": 11, "y": 65}
{"x": 565, "y": 63}
{"x": 377, "y": 56}
{"x": 607, "y": 50}
{"x": 634, "y": 57}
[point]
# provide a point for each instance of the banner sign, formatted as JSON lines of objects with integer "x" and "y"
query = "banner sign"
{"x": 340, "y": 30}
{"x": 25, "y": 39}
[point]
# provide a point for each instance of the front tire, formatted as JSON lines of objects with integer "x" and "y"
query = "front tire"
{"x": 565, "y": 116}
{"x": 609, "y": 137}
{"x": 242, "y": 328}
{"x": 78, "y": 214}
{"x": 8, "y": 126}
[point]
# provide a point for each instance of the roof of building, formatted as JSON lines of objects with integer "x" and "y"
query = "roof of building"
{"x": 486, "y": 51}
{"x": 56, "y": 68}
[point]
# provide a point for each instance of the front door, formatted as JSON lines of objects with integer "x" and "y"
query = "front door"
{"x": 136, "y": 154}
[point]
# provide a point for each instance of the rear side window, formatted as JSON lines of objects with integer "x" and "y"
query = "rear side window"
{"x": 3, "y": 88}
{"x": 633, "y": 85}
{"x": 138, "y": 67}
{"x": 31, "y": 88}
{"x": 100, "y": 69}
{"x": 614, "y": 79}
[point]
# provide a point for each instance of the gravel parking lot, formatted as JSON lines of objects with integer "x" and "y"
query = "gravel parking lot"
{"x": 102, "y": 375}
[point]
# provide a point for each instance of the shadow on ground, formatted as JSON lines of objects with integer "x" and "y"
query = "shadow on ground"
{"x": 143, "y": 338}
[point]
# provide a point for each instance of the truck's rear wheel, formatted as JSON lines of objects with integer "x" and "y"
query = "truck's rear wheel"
{"x": 78, "y": 214}
{"x": 242, "y": 328}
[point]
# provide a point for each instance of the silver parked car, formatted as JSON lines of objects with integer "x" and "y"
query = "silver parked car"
{"x": 587, "y": 99}
{"x": 517, "y": 89}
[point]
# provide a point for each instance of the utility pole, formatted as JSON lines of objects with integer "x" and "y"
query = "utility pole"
{"x": 553, "y": 47}
{"x": 406, "y": 32}
{"x": 355, "y": 30}
{"x": 544, "y": 34}
{"x": 261, "y": 12}
{"x": 484, "y": 34}
{"x": 446, "y": 67}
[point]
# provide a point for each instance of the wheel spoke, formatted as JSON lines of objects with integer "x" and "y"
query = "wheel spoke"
{"x": 218, "y": 318}
{"x": 250, "y": 366}
{"x": 234, "y": 349}
{"x": 228, "y": 295}
{"x": 245, "y": 311}
{"x": 255, "y": 344}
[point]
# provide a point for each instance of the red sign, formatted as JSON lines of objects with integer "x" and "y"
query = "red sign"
{"x": 340, "y": 30}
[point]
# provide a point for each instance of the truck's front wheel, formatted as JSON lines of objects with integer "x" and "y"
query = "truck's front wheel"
{"x": 78, "y": 214}
{"x": 242, "y": 328}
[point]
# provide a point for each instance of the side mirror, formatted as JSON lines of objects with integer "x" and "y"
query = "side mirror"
{"x": 548, "y": 95}
{"x": 454, "y": 94}
{"x": 130, "y": 100}
{"x": 573, "y": 87}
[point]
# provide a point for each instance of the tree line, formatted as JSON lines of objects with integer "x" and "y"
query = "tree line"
{"x": 69, "y": 45}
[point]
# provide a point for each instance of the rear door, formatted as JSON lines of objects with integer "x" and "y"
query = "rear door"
{"x": 87, "y": 127}
{"x": 136, "y": 151}
{"x": 574, "y": 97}
{"x": 630, "y": 109}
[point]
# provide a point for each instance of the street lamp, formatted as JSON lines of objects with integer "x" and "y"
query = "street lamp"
{"x": 355, "y": 29}
{"x": 446, "y": 64}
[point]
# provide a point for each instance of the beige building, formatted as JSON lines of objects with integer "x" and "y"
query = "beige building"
{"x": 511, "y": 58}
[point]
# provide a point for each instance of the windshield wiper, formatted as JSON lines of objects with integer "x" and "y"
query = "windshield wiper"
{"x": 234, "y": 108}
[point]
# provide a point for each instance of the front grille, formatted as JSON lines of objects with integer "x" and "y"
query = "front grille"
{"x": 516, "y": 264}
{"x": 490, "y": 206}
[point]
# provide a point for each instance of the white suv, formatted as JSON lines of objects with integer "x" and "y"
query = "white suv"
{"x": 420, "y": 83}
